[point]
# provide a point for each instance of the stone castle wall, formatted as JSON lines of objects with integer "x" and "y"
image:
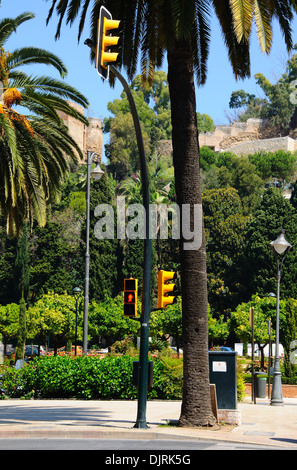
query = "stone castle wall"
{"x": 265, "y": 145}
{"x": 87, "y": 137}
{"x": 241, "y": 138}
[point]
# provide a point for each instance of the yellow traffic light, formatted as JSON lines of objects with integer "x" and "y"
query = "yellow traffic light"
{"x": 166, "y": 290}
{"x": 130, "y": 297}
{"x": 105, "y": 40}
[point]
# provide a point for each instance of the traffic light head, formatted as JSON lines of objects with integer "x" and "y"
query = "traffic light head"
{"x": 166, "y": 290}
{"x": 105, "y": 40}
{"x": 108, "y": 41}
{"x": 130, "y": 297}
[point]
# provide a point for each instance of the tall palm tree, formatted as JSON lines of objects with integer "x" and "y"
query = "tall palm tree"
{"x": 181, "y": 29}
{"x": 35, "y": 147}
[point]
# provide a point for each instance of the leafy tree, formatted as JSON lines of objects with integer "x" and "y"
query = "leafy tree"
{"x": 278, "y": 104}
{"x": 289, "y": 334}
{"x": 9, "y": 322}
{"x": 218, "y": 328}
{"x": 264, "y": 309}
{"x": 156, "y": 95}
{"x": 273, "y": 212}
{"x": 106, "y": 279}
{"x": 22, "y": 331}
{"x": 168, "y": 322}
{"x": 248, "y": 184}
{"x": 21, "y": 267}
{"x": 279, "y": 164}
{"x": 8, "y": 248}
{"x": 122, "y": 151}
{"x": 248, "y": 104}
{"x": 153, "y": 107}
{"x": 205, "y": 123}
{"x": 228, "y": 170}
{"x": 225, "y": 225}
{"x": 107, "y": 320}
{"x": 53, "y": 260}
{"x": 53, "y": 317}
{"x": 207, "y": 158}
{"x": 33, "y": 147}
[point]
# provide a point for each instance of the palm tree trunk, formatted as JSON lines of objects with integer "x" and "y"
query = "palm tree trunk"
{"x": 196, "y": 403}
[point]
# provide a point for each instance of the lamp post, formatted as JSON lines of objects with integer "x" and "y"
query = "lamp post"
{"x": 280, "y": 246}
{"x": 96, "y": 174}
{"x": 271, "y": 294}
{"x": 76, "y": 291}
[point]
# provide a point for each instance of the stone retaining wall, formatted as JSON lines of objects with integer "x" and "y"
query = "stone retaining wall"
{"x": 289, "y": 391}
{"x": 265, "y": 145}
{"x": 245, "y": 148}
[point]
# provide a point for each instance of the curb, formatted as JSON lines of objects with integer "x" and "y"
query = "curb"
{"x": 42, "y": 432}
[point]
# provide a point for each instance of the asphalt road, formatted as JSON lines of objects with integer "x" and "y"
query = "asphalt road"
{"x": 130, "y": 447}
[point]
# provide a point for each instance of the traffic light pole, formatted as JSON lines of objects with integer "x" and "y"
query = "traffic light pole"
{"x": 145, "y": 315}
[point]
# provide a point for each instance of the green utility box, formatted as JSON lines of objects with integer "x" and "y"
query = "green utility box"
{"x": 223, "y": 373}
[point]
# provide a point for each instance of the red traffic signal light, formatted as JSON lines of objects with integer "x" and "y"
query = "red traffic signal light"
{"x": 130, "y": 297}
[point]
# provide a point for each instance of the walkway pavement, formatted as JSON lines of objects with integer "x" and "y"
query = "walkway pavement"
{"x": 260, "y": 422}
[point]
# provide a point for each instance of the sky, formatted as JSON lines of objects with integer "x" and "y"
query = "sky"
{"x": 212, "y": 98}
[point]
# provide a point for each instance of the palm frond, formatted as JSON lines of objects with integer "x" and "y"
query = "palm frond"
{"x": 8, "y": 130}
{"x": 35, "y": 149}
{"x": 201, "y": 40}
{"x": 239, "y": 54}
{"x": 9, "y": 25}
{"x": 48, "y": 84}
{"x": 61, "y": 10}
{"x": 183, "y": 15}
{"x": 242, "y": 13}
{"x": 29, "y": 55}
{"x": 83, "y": 18}
{"x": 282, "y": 11}
{"x": 263, "y": 18}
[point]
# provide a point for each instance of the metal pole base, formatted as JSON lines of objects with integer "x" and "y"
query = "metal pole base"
{"x": 141, "y": 425}
{"x": 276, "y": 393}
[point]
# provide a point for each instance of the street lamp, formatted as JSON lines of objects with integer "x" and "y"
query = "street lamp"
{"x": 96, "y": 174}
{"x": 280, "y": 246}
{"x": 76, "y": 291}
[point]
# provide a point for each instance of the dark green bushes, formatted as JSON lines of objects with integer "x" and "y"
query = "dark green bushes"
{"x": 90, "y": 378}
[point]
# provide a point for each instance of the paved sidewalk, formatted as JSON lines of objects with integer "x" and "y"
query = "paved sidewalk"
{"x": 260, "y": 422}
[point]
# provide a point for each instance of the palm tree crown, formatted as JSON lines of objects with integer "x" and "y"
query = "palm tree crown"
{"x": 36, "y": 148}
{"x": 149, "y": 29}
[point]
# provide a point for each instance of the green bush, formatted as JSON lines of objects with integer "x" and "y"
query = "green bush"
{"x": 67, "y": 377}
{"x": 168, "y": 377}
{"x": 240, "y": 380}
{"x": 92, "y": 378}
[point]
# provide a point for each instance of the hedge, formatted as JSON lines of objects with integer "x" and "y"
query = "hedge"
{"x": 92, "y": 378}
{"x": 89, "y": 378}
